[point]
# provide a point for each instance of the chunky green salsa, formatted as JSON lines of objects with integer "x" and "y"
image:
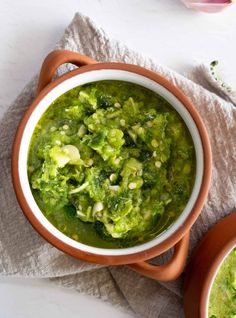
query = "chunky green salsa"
{"x": 222, "y": 302}
{"x": 111, "y": 164}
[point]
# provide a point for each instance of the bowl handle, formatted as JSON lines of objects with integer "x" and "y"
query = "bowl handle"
{"x": 172, "y": 269}
{"x": 57, "y": 58}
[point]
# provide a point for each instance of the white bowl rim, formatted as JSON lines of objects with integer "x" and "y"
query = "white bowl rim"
{"x": 93, "y": 76}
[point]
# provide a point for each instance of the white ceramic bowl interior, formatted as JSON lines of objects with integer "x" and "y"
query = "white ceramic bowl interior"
{"x": 214, "y": 277}
{"x": 93, "y": 76}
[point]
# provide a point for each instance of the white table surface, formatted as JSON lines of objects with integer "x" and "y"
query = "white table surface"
{"x": 162, "y": 29}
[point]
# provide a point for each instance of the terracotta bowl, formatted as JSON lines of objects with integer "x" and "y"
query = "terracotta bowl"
{"x": 178, "y": 233}
{"x": 204, "y": 265}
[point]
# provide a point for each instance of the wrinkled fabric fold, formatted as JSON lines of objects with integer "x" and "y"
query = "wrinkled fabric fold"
{"x": 24, "y": 253}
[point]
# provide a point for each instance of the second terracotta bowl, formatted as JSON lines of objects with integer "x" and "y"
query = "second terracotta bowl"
{"x": 178, "y": 233}
{"x": 204, "y": 265}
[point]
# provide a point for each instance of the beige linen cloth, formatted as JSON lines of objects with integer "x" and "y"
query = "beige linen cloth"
{"x": 24, "y": 253}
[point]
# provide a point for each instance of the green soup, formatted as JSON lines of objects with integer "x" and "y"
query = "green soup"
{"x": 111, "y": 164}
{"x": 222, "y": 302}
